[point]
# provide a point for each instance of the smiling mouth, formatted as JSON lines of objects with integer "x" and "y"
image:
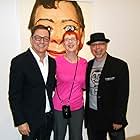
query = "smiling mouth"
{"x": 70, "y": 46}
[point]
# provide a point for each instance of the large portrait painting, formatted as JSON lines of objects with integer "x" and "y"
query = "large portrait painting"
{"x": 59, "y": 16}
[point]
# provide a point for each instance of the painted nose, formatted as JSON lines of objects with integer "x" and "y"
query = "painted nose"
{"x": 57, "y": 36}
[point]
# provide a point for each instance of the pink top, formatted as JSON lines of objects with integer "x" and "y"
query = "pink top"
{"x": 65, "y": 76}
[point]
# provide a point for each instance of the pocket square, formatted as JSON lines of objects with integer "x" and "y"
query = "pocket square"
{"x": 109, "y": 78}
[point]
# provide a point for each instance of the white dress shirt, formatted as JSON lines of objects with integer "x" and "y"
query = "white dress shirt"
{"x": 44, "y": 71}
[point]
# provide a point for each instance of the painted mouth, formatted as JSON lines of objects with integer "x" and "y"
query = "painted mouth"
{"x": 55, "y": 53}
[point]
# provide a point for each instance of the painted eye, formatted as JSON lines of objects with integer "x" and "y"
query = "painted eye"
{"x": 49, "y": 28}
{"x": 70, "y": 28}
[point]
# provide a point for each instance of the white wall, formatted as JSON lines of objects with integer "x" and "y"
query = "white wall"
{"x": 118, "y": 19}
{"x": 9, "y": 47}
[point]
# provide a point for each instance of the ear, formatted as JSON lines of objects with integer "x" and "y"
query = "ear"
{"x": 78, "y": 42}
{"x": 31, "y": 40}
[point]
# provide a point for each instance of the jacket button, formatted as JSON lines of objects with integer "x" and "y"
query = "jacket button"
{"x": 98, "y": 97}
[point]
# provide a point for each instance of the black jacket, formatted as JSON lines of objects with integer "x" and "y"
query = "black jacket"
{"x": 27, "y": 89}
{"x": 112, "y": 95}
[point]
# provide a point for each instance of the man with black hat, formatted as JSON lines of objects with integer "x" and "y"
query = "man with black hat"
{"x": 107, "y": 91}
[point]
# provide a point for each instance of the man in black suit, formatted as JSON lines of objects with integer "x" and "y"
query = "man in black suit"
{"x": 31, "y": 84}
{"x": 107, "y": 91}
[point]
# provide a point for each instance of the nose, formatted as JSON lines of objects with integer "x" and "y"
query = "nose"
{"x": 97, "y": 46}
{"x": 57, "y": 36}
{"x": 42, "y": 40}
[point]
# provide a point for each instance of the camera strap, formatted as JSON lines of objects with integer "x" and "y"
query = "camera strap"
{"x": 71, "y": 86}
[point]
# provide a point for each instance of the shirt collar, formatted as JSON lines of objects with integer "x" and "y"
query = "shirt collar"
{"x": 36, "y": 56}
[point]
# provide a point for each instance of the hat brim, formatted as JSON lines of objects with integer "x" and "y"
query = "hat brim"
{"x": 89, "y": 42}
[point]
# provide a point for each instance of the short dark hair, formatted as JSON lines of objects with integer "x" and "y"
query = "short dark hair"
{"x": 34, "y": 28}
{"x": 49, "y": 4}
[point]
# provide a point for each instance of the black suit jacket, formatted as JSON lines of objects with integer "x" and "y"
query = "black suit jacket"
{"x": 112, "y": 95}
{"x": 27, "y": 89}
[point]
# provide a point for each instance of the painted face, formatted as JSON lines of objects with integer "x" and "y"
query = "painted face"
{"x": 71, "y": 43}
{"x": 98, "y": 49}
{"x": 59, "y": 20}
{"x": 40, "y": 41}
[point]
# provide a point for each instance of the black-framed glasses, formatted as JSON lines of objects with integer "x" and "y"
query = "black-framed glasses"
{"x": 99, "y": 44}
{"x": 70, "y": 39}
{"x": 39, "y": 38}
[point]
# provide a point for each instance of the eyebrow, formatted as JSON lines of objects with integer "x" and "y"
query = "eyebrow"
{"x": 50, "y": 20}
{"x": 63, "y": 21}
{"x": 67, "y": 20}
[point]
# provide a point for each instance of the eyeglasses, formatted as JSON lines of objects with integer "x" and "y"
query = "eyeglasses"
{"x": 70, "y": 39}
{"x": 99, "y": 44}
{"x": 39, "y": 38}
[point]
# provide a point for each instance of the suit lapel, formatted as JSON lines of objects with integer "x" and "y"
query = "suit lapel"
{"x": 105, "y": 69}
{"x": 35, "y": 68}
{"x": 89, "y": 68}
{"x": 50, "y": 69}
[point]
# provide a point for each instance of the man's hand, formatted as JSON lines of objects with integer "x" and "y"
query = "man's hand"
{"x": 117, "y": 126}
{"x": 24, "y": 129}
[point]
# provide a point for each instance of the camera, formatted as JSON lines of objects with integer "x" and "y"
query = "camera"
{"x": 66, "y": 111}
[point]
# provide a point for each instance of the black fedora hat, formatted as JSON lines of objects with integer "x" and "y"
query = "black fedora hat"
{"x": 97, "y": 37}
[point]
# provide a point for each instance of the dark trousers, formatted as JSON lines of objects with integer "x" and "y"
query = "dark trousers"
{"x": 102, "y": 134}
{"x": 74, "y": 124}
{"x": 44, "y": 131}
{"x": 98, "y": 133}
{"x": 118, "y": 135}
